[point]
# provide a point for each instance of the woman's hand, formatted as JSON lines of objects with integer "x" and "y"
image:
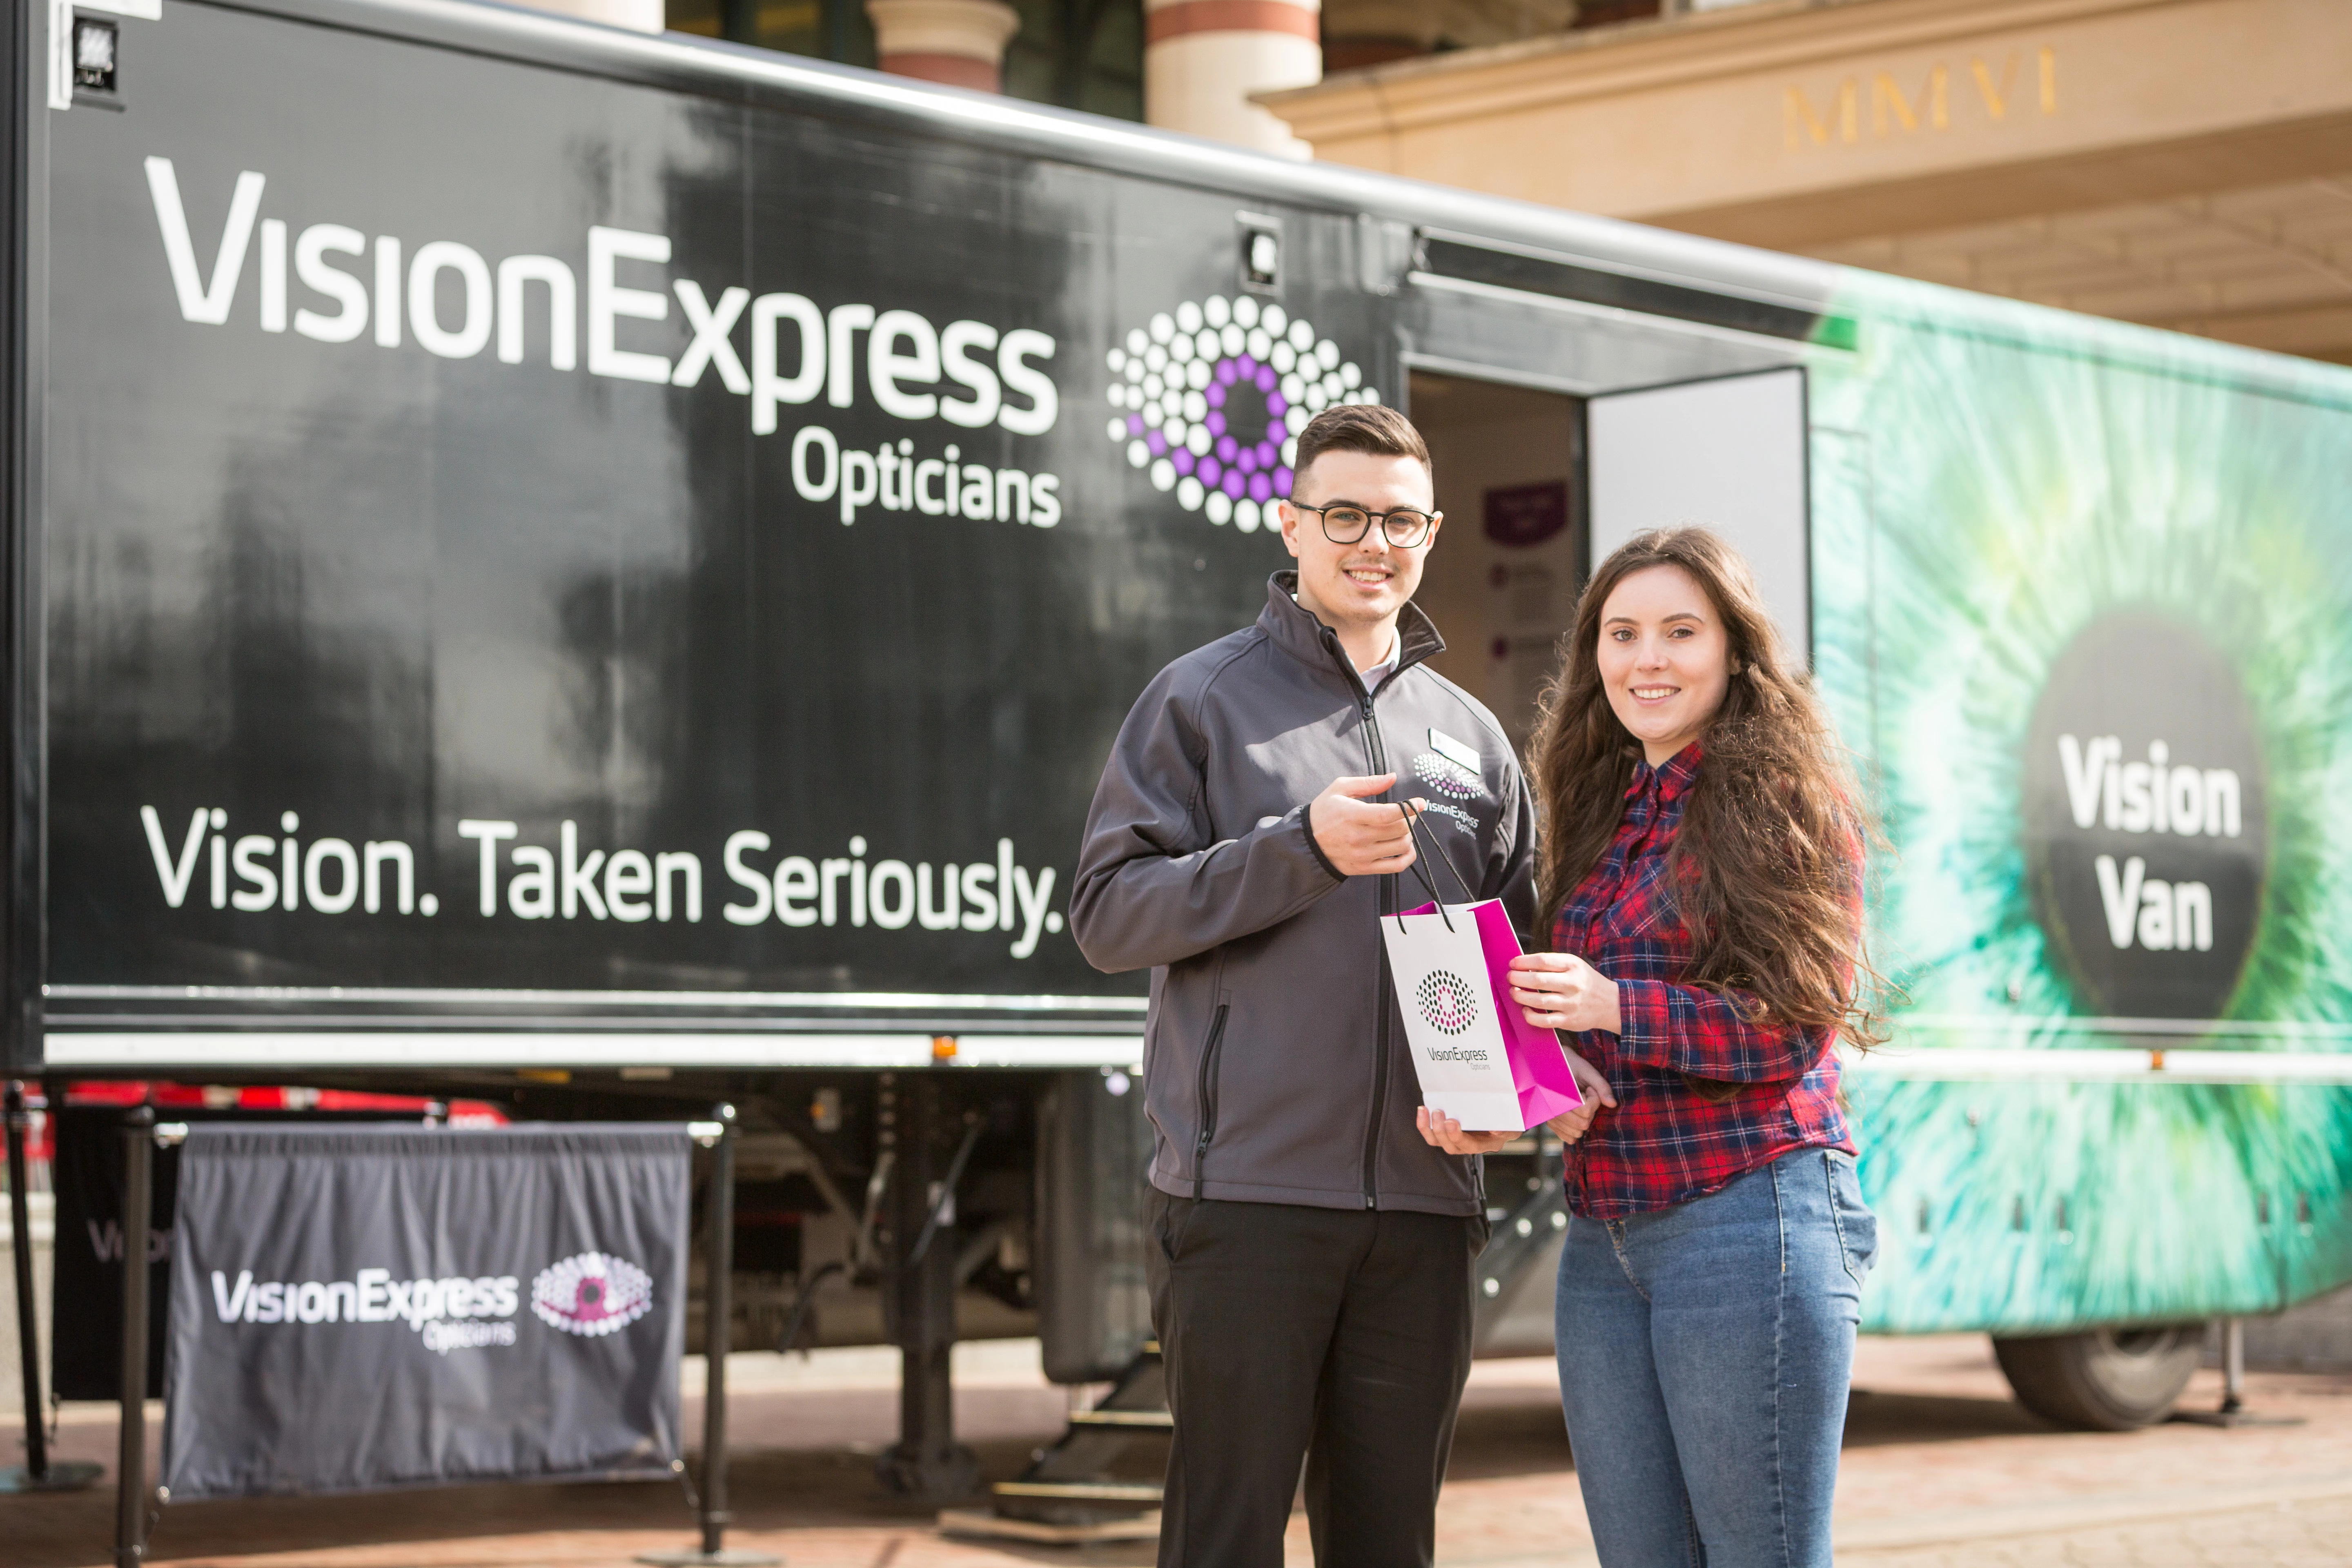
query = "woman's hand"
{"x": 1571, "y": 1124}
{"x": 1442, "y": 1132}
{"x": 1560, "y": 991}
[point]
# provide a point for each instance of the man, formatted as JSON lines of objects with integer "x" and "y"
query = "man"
{"x": 1310, "y": 1254}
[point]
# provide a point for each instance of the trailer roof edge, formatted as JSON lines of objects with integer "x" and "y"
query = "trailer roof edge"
{"x": 690, "y": 63}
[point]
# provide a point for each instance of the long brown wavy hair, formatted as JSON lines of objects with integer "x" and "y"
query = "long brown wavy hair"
{"x": 1767, "y": 867}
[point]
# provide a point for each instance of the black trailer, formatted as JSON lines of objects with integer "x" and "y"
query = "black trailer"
{"x": 598, "y": 571}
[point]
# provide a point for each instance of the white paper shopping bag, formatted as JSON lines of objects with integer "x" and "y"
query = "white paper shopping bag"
{"x": 1448, "y": 1003}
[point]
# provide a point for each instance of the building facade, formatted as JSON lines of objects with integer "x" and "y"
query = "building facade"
{"x": 2186, "y": 163}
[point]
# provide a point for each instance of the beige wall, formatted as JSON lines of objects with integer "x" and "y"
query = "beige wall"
{"x": 1750, "y": 112}
{"x": 1840, "y": 127}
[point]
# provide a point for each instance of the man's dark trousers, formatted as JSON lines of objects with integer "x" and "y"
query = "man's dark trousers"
{"x": 1341, "y": 1335}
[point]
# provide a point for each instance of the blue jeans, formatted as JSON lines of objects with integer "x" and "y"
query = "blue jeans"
{"x": 1705, "y": 1352}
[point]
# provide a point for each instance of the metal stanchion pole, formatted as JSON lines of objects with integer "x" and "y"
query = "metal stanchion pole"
{"x": 717, "y": 1330}
{"x": 37, "y": 1473}
{"x": 131, "y": 1458}
{"x": 28, "y": 1350}
{"x": 718, "y": 1324}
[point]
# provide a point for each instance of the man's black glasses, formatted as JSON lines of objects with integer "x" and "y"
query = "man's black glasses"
{"x": 1344, "y": 523}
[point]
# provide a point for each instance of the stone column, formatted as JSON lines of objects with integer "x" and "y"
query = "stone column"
{"x": 1202, "y": 59}
{"x": 639, "y": 15}
{"x": 957, "y": 42}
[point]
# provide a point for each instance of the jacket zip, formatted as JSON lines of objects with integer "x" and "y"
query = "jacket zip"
{"x": 1376, "y": 753}
{"x": 1372, "y": 743}
{"x": 1208, "y": 1099}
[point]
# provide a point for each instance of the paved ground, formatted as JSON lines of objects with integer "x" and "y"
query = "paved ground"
{"x": 1940, "y": 1470}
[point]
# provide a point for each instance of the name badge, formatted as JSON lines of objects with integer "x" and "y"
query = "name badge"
{"x": 1456, "y": 752}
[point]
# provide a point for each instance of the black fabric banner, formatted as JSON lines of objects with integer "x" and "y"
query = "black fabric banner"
{"x": 86, "y": 1346}
{"x": 86, "y": 1287}
{"x": 356, "y": 1309}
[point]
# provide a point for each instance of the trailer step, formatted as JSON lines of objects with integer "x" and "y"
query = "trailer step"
{"x": 972, "y": 1521}
{"x": 1156, "y": 1420}
{"x": 1079, "y": 1485}
{"x": 1082, "y": 1491}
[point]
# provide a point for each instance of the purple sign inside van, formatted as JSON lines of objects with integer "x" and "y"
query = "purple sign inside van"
{"x": 1527, "y": 514}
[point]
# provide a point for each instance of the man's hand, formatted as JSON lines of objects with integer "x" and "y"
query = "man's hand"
{"x": 1359, "y": 836}
{"x": 1571, "y": 1124}
{"x": 1560, "y": 991}
{"x": 1442, "y": 1132}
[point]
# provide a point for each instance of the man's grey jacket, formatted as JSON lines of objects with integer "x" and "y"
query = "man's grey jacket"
{"x": 1275, "y": 1064}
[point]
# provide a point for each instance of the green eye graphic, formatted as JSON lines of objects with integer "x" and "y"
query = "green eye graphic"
{"x": 2086, "y": 620}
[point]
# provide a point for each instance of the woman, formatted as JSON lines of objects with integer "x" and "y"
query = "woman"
{"x": 1703, "y": 860}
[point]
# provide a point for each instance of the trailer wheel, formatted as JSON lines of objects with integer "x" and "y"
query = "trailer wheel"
{"x": 2103, "y": 1380}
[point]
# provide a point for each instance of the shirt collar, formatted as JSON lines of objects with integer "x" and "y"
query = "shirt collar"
{"x": 1294, "y": 628}
{"x": 1673, "y": 780}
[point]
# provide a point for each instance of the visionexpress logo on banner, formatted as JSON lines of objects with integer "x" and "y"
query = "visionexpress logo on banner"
{"x": 590, "y": 1294}
{"x": 1214, "y": 397}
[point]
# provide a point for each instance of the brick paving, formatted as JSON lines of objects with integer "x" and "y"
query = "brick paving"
{"x": 2281, "y": 1535}
{"x": 1940, "y": 1468}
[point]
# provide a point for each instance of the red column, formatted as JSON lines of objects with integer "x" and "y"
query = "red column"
{"x": 957, "y": 42}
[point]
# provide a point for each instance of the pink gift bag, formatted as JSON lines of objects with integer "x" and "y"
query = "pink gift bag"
{"x": 1538, "y": 1070}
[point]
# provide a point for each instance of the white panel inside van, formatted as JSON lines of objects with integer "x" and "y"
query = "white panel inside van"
{"x": 1728, "y": 453}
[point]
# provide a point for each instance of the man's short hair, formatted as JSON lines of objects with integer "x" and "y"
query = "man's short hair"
{"x": 1373, "y": 427}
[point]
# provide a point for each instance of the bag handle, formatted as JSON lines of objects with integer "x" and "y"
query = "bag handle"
{"x": 1423, "y": 834}
{"x": 1420, "y": 835}
{"x": 1422, "y": 872}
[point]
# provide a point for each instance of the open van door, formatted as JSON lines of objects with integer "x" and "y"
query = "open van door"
{"x": 1728, "y": 452}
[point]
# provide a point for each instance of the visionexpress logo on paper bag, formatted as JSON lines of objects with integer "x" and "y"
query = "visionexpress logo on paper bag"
{"x": 1457, "y": 1041}
{"x": 1478, "y": 1058}
{"x": 1447, "y": 1003}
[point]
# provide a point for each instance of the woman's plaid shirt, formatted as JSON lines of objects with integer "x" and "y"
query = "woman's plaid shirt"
{"x": 1666, "y": 1144}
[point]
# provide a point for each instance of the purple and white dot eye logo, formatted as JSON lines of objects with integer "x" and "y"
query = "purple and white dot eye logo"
{"x": 1215, "y": 395}
{"x": 592, "y": 1294}
{"x": 1447, "y": 776}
